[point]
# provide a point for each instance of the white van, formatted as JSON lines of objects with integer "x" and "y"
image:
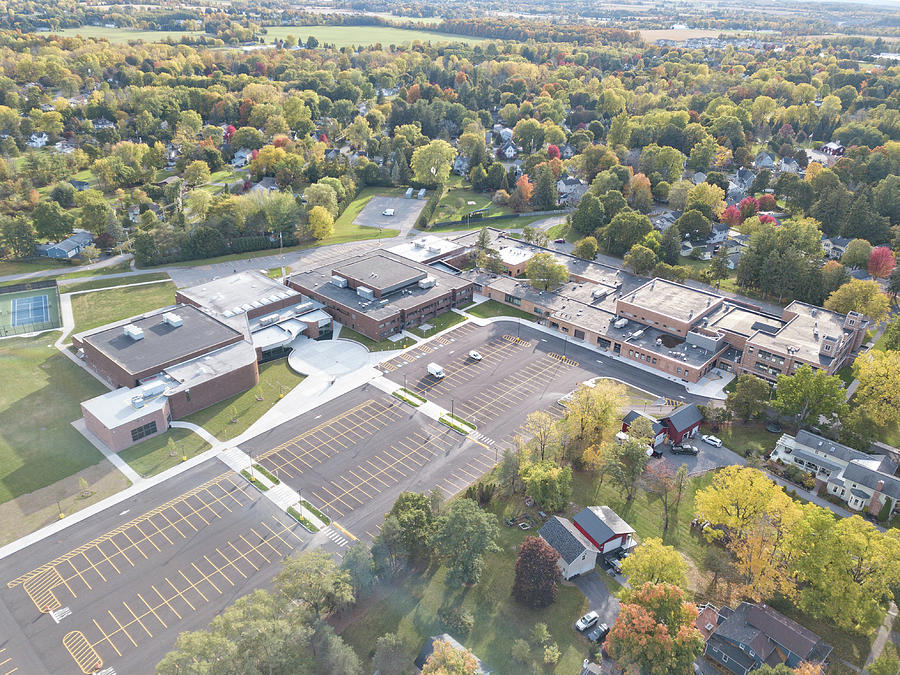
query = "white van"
{"x": 435, "y": 370}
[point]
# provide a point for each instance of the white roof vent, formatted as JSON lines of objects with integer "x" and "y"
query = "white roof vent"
{"x": 134, "y": 332}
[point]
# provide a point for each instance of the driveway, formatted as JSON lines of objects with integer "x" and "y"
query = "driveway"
{"x": 709, "y": 458}
{"x": 599, "y": 599}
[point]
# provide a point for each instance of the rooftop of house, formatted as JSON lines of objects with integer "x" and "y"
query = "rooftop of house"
{"x": 565, "y": 538}
{"x": 671, "y": 299}
{"x": 685, "y": 417}
{"x": 601, "y": 523}
{"x": 161, "y": 342}
{"x": 238, "y": 293}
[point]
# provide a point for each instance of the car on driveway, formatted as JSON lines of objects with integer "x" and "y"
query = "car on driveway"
{"x": 561, "y": 240}
{"x": 598, "y": 632}
{"x": 475, "y": 356}
{"x": 685, "y": 449}
{"x": 587, "y": 621}
{"x": 714, "y": 441}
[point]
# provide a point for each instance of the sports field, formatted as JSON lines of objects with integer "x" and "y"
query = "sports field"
{"x": 28, "y": 308}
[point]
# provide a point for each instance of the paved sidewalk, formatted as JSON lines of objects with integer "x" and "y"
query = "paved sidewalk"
{"x": 883, "y": 635}
{"x": 57, "y": 271}
{"x": 113, "y": 458}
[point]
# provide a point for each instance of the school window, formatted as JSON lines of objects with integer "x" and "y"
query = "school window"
{"x": 678, "y": 370}
{"x": 512, "y": 300}
{"x": 143, "y": 430}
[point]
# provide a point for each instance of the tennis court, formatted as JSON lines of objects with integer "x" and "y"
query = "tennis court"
{"x": 27, "y": 308}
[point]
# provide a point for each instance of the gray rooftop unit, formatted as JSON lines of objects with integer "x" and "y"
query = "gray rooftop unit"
{"x": 340, "y": 282}
{"x": 427, "y": 282}
{"x": 366, "y": 293}
{"x": 173, "y": 319}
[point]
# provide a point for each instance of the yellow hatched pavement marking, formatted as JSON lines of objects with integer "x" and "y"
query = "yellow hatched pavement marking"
{"x": 84, "y": 654}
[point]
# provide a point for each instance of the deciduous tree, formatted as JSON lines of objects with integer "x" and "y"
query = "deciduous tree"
{"x": 749, "y": 398}
{"x": 447, "y": 660}
{"x": 878, "y": 393}
{"x": 431, "y": 163}
{"x": 462, "y": 537}
{"x": 655, "y": 563}
{"x": 537, "y": 574}
{"x": 586, "y": 248}
{"x": 544, "y": 272}
{"x": 860, "y": 296}
{"x": 625, "y": 230}
{"x": 413, "y": 513}
{"x": 640, "y": 259}
{"x": 881, "y": 262}
{"x": 547, "y": 483}
{"x": 857, "y": 253}
{"x": 808, "y": 395}
{"x": 588, "y": 215}
{"x": 314, "y": 580}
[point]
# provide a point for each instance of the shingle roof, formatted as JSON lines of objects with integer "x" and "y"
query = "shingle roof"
{"x": 685, "y": 417}
{"x": 601, "y": 523}
{"x": 857, "y": 472}
{"x": 827, "y": 446}
{"x": 565, "y": 538}
{"x": 632, "y": 415}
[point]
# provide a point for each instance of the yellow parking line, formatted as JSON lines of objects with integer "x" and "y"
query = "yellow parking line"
{"x": 121, "y": 627}
{"x": 149, "y": 634}
{"x": 152, "y": 611}
{"x": 344, "y": 530}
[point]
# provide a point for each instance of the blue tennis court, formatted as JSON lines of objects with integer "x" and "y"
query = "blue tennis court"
{"x": 29, "y": 311}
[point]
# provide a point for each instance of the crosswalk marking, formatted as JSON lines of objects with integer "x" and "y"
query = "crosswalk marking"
{"x": 335, "y": 536}
{"x": 487, "y": 440}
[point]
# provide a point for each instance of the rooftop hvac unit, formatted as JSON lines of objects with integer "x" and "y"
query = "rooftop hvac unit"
{"x": 419, "y": 243}
{"x": 137, "y": 401}
{"x": 621, "y": 323}
{"x": 134, "y": 332}
{"x": 366, "y": 293}
{"x": 266, "y": 320}
{"x": 340, "y": 282}
{"x": 153, "y": 389}
{"x": 427, "y": 282}
{"x": 638, "y": 333}
{"x": 172, "y": 319}
{"x": 434, "y": 248}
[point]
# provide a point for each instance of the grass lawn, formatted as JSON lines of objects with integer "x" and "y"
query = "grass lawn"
{"x": 846, "y": 375}
{"x": 563, "y": 231}
{"x": 118, "y": 35}
{"x": 110, "y": 283}
{"x": 410, "y": 608}
{"x": 439, "y": 323}
{"x": 153, "y": 455}
{"x": 454, "y": 205}
{"x": 27, "y": 266}
{"x": 124, "y": 266}
{"x": 346, "y": 230}
{"x": 499, "y": 224}
{"x": 371, "y": 345}
{"x": 491, "y": 308}
{"x": 747, "y": 438}
{"x": 346, "y": 36}
{"x": 38, "y": 401}
{"x": 275, "y": 379}
{"x": 96, "y": 309}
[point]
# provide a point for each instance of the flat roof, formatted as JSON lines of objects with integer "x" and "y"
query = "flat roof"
{"x": 115, "y": 408}
{"x": 805, "y": 333}
{"x": 680, "y": 302}
{"x": 512, "y": 254}
{"x": 425, "y": 248}
{"x": 232, "y": 294}
{"x": 380, "y": 271}
{"x": 162, "y": 343}
{"x": 742, "y": 321}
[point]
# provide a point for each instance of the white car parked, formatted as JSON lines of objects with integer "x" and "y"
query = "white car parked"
{"x": 475, "y": 356}
{"x": 387, "y": 212}
{"x": 714, "y": 441}
{"x": 587, "y": 621}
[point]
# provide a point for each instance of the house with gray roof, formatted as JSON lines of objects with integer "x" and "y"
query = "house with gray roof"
{"x": 749, "y": 636}
{"x": 861, "y": 480}
{"x": 604, "y": 529}
{"x": 577, "y": 555}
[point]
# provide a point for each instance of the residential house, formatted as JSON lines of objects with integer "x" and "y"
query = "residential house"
{"x": 64, "y": 147}
{"x": 37, "y": 140}
{"x": 428, "y": 648}
{"x": 570, "y": 189}
{"x": 79, "y": 185}
{"x": 861, "y": 480}
{"x": 241, "y": 158}
{"x": 683, "y": 423}
{"x": 744, "y": 178}
{"x": 735, "y": 193}
{"x": 604, "y": 529}
{"x": 751, "y": 635}
{"x": 764, "y": 160}
{"x": 567, "y": 151}
{"x": 67, "y": 248}
{"x": 788, "y": 165}
{"x": 577, "y": 555}
{"x": 663, "y": 221}
{"x": 698, "y": 177}
{"x": 659, "y": 429}
{"x": 267, "y": 184}
{"x": 834, "y": 148}
{"x": 718, "y": 233}
{"x": 47, "y": 107}
{"x": 461, "y": 165}
{"x": 835, "y": 246}
{"x": 103, "y": 123}
{"x": 508, "y": 150}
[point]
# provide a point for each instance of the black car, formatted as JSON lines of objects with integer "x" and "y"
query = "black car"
{"x": 685, "y": 449}
{"x": 561, "y": 240}
{"x": 598, "y": 632}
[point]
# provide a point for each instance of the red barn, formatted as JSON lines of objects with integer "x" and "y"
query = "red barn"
{"x": 604, "y": 529}
{"x": 683, "y": 423}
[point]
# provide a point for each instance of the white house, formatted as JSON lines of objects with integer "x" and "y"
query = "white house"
{"x": 37, "y": 140}
{"x": 509, "y": 150}
{"x": 835, "y": 246}
{"x": 576, "y": 554}
{"x": 861, "y": 480}
{"x": 241, "y": 158}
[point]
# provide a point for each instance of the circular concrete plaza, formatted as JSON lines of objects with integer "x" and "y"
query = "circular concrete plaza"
{"x": 328, "y": 357}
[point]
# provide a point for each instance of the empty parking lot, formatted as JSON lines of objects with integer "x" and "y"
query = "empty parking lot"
{"x": 117, "y": 589}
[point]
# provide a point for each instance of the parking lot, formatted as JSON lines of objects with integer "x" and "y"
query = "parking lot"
{"x": 118, "y": 588}
{"x": 405, "y": 213}
{"x": 522, "y": 370}
{"x": 352, "y": 457}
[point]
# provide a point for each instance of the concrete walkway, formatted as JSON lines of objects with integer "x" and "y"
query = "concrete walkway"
{"x": 113, "y": 458}
{"x": 883, "y": 635}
